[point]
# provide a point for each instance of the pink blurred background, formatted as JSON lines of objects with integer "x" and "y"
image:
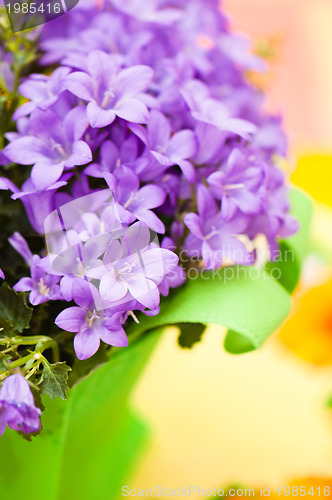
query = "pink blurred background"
{"x": 301, "y": 81}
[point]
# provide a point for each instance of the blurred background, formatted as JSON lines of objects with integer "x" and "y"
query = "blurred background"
{"x": 264, "y": 418}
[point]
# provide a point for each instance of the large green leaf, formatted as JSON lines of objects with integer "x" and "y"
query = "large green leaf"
{"x": 245, "y": 300}
{"x": 88, "y": 442}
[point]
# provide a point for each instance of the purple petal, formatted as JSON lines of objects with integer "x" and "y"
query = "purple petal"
{"x": 26, "y": 150}
{"x": 85, "y": 294}
{"x": 112, "y": 289}
{"x": 44, "y": 174}
{"x": 81, "y": 154}
{"x": 80, "y": 84}
{"x": 24, "y": 285}
{"x": 19, "y": 243}
{"x": 145, "y": 292}
{"x": 205, "y": 202}
{"x": 151, "y": 220}
{"x": 16, "y": 388}
{"x": 132, "y": 81}
{"x": 193, "y": 223}
{"x": 183, "y": 145}
{"x": 71, "y": 319}
{"x": 150, "y": 196}
{"x": 99, "y": 117}
{"x": 117, "y": 338}
{"x": 86, "y": 343}
{"x": 159, "y": 130}
{"x": 132, "y": 110}
{"x": 75, "y": 123}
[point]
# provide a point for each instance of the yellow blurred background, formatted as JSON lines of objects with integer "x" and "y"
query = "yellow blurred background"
{"x": 260, "y": 419}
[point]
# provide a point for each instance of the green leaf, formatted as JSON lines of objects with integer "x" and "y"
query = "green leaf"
{"x": 6, "y": 327}
{"x": 82, "y": 368}
{"x": 54, "y": 380}
{"x": 246, "y": 300}
{"x": 88, "y": 443}
{"x": 190, "y": 334}
{"x": 13, "y": 309}
{"x": 287, "y": 268}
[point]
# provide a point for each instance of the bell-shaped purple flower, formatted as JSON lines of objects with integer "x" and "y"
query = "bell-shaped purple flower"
{"x": 238, "y": 185}
{"x": 212, "y": 237}
{"x": 41, "y": 90}
{"x": 111, "y": 92}
{"x": 169, "y": 149}
{"x": 52, "y": 145}
{"x": 17, "y": 406}
{"x": 42, "y": 286}
{"x": 90, "y": 323}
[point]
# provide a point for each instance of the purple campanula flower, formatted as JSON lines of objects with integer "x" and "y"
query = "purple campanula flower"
{"x": 52, "y": 145}
{"x": 76, "y": 262}
{"x": 41, "y": 90}
{"x": 112, "y": 156}
{"x": 134, "y": 202}
{"x": 212, "y": 237}
{"x": 91, "y": 324}
{"x": 42, "y": 285}
{"x": 111, "y": 92}
{"x": 169, "y": 149}
{"x": 206, "y": 109}
{"x": 38, "y": 204}
{"x": 152, "y": 98}
{"x": 17, "y": 406}
{"x": 237, "y": 186}
{"x": 134, "y": 266}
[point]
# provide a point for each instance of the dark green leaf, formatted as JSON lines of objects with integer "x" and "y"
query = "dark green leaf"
{"x": 54, "y": 380}
{"x": 6, "y": 327}
{"x": 13, "y": 309}
{"x": 37, "y": 398}
{"x": 190, "y": 334}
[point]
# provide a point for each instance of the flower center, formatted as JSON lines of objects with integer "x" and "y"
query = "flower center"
{"x": 56, "y": 147}
{"x": 108, "y": 98}
{"x": 91, "y": 317}
{"x": 42, "y": 288}
{"x": 229, "y": 187}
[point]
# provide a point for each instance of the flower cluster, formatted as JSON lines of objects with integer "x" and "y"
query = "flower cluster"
{"x": 147, "y": 126}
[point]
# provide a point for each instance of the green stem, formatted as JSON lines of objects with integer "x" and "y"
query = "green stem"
{"x": 21, "y": 361}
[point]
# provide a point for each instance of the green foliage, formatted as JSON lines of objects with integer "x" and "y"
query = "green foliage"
{"x": 54, "y": 380}
{"x": 82, "y": 368}
{"x": 88, "y": 443}
{"x": 15, "y": 315}
{"x": 252, "y": 304}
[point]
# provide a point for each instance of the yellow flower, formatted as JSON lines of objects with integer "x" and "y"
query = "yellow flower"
{"x": 308, "y": 330}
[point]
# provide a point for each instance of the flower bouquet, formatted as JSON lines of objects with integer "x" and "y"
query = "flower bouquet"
{"x": 142, "y": 187}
